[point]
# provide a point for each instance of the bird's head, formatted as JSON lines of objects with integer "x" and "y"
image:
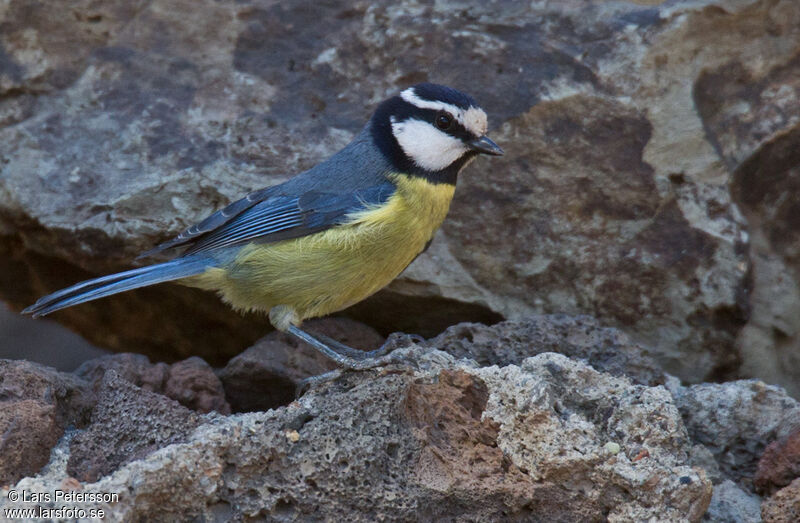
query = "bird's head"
{"x": 432, "y": 131}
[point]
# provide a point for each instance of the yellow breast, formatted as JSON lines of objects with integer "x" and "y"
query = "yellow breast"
{"x": 331, "y": 270}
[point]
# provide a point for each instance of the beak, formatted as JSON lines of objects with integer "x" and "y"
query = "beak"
{"x": 484, "y": 145}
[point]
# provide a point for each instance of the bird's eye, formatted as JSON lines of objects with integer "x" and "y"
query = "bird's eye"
{"x": 444, "y": 120}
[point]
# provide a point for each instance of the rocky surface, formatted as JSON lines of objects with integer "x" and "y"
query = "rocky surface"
{"x": 191, "y": 382}
{"x": 731, "y": 504}
{"x": 590, "y": 434}
{"x": 779, "y": 464}
{"x": 580, "y": 337}
{"x": 631, "y": 133}
{"x": 735, "y": 421}
{"x": 36, "y": 405}
{"x": 784, "y": 506}
{"x": 128, "y": 422}
{"x": 649, "y": 182}
{"x": 436, "y": 439}
{"x": 34, "y": 338}
{"x": 267, "y": 374}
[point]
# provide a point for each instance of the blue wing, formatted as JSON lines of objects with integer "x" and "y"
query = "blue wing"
{"x": 312, "y": 201}
{"x": 269, "y": 215}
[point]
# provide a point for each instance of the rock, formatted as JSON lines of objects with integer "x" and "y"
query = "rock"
{"x": 267, "y": 374}
{"x": 623, "y": 125}
{"x": 70, "y": 396}
{"x": 700, "y": 456}
{"x": 551, "y": 400}
{"x": 749, "y": 113}
{"x": 135, "y": 368}
{"x": 29, "y": 432}
{"x": 730, "y": 504}
{"x": 779, "y": 465}
{"x": 433, "y": 439}
{"x": 762, "y": 145}
{"x": 36, "y": 404}
{"x": 783, "y": 506}
{"x": 580, "y": 337}
{"x": 128, "y": 423}
{"x": 191, "y": 382}
{"x": 736, "y": 421}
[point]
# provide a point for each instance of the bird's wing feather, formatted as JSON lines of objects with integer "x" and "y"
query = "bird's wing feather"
{"x": 276, "y": 217}
{"x": 309, "y": 202}
{"x": 210, "y": 223}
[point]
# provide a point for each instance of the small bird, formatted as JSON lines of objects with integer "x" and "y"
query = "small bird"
{"x": 330, "y": 236}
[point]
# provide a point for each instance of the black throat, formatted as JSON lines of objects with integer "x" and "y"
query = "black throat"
{"x": 381, "y": 131}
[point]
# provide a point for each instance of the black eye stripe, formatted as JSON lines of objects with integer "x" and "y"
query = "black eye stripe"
{"x": 402, "y": 110}
{"x": 457, "y": 130}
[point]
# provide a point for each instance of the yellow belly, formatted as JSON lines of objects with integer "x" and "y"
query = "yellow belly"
{"x": 331, "y": 270}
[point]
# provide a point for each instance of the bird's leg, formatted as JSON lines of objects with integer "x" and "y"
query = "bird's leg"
{"x": 284, "y": 318}
{"x": 306, "y": 383}
{"x": 354, "y": 353}
{"x": 345, "y": 360}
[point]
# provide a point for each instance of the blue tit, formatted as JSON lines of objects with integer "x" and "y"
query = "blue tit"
{"x": 330, "y": 236}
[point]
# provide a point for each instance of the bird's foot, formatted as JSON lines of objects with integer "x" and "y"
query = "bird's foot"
{"x": 348, "y": 357}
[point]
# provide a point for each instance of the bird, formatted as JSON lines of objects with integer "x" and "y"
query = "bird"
{"x": 330, "y": 236}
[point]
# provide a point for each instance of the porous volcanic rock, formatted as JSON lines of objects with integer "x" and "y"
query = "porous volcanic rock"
{"x": 127, "y": 423}
{"x": 735, "y": 421}
{"x": 427, "y": 438}
{"x": 190, "y": 382}
{"x": 36, "y": 404}
{"x": 779, "y": 465}
{"x": 783, "y": 506}
{"x": 267, "y": 374}
{"x": 580, "y": 337}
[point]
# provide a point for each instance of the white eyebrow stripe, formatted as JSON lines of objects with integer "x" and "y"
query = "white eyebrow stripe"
{"x": 473, "y": 118}
{"x": 411, "y": 97}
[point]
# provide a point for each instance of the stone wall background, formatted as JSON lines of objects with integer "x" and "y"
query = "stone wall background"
{"x": 650, "y": 177}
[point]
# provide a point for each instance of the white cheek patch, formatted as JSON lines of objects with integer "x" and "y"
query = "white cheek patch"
{"x": 473, "y": 119}
{"x": 427, "y": 146}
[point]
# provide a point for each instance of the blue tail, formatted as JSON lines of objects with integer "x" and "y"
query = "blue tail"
{"x": 123, "y": 281}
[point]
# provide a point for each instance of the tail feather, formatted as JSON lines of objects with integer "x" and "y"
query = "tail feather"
{"x": 123, "y": 281}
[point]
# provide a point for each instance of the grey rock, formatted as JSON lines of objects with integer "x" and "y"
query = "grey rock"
{"x": 191, "y": 382}
{"x": 579, "y": 337}
{"x": 619, "y": 120}
{"x": 736, "y": 421}
{"x": 445, "y": 441}
{"x": 731, "y": 504}
{"x": 135, "y": 368}
{"x": 128, "y": 423}
{"x": 29, "y": 339}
